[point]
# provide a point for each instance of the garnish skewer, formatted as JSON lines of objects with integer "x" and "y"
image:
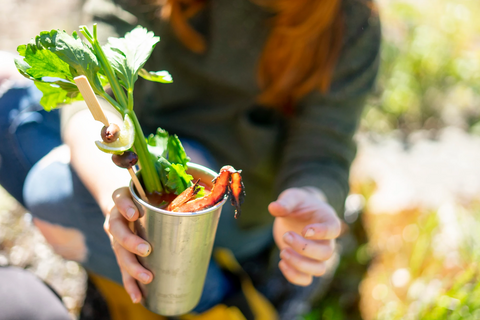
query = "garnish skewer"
{"x": 91, "y": 99}
{"x": 98, "y": 114}
{"x": 138, "y": 185}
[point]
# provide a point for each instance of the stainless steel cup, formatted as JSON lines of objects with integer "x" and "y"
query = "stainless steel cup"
{"x": 181, "y": 249}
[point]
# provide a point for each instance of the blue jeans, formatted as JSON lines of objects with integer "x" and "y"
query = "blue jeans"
{"x": 27, "y": 133}
{"x": 54, "y": 193}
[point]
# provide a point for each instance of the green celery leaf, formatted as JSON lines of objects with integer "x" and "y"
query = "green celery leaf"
{"x": 103, "y": 80}
{"x": 56, "y": 93}
{"x": 41, "y": 63}
{"x": 22, "y": 67}
{"x": 21, "y": 49}
{"x": 71, "y": 50}
{"x": 176, "y": 152}
{"x": 117, "y": 61}
{"x": 56, "y": 55}
{"x": 70, "y": 88}
{"x": 127, "y": 55}
{"x": 171, "y": 160}
{"x": 178, "y": 178}
{"x": 201, "y": 192}
{"x": 74, "y": 52}
{"x": 157, "y": 143}
{"x": 173, "y": 176}
{"x": 163, "y": 167}
{"x": 156, "y": 76}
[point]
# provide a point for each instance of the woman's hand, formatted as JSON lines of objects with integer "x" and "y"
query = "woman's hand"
{"x": 304, "y": 230}
{"x": 126, "y": 244}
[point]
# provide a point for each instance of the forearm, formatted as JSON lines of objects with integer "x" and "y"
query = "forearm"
{"x": 95, "y": 168}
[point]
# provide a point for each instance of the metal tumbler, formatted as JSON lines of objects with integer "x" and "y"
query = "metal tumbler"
{"x": 182, "y": 245}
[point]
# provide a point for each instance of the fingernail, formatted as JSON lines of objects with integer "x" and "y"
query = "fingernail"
{"x": 287, "y": 237}
{"x": 134, "y": 298}
{"x": 284, "y": 255}
{"x": 130, "y": 213}
{"x": 144, "y": 277}
{"x": 143, "y": 249}
{"x": 310, "y": 232}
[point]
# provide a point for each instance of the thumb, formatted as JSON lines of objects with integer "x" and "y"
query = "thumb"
{"x": 287, "y": 202}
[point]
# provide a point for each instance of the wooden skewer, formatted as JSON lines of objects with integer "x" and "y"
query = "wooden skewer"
{"x": 97, "y": 112}
{"x": 91, "y": 99}
{"x": 138, "y": 185}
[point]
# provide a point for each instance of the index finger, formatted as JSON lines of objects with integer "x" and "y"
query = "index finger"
{"x": 124, "y": 203}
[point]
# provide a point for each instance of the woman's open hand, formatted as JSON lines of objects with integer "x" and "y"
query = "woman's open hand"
{"x": 304, "y": 230}
{"x": 126, "y": 244}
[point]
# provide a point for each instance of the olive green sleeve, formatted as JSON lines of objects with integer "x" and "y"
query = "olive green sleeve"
{"x": 320, "y": 147}
{"x": 110, "y": 16}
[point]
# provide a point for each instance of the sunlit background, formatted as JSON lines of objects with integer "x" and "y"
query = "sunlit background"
{"x": 417, "y": 172}
{"x": 413, "y": 243}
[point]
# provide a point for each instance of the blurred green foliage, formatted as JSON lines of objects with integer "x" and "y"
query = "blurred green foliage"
{"x": 430, "y": 68}
{"x": 429, "y": 79}
{"x": 444, "y": 282}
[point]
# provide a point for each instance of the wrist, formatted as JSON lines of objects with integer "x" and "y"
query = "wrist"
{"x": 106, "y": 205}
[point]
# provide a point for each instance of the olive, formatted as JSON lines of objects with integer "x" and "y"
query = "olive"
{"x": 111, "y": 133}
{"x": 125, "y": 160}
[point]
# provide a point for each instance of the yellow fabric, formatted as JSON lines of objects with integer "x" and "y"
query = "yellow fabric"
{"x": 219, "y": 312}
{"x": 121, "y": 306}
{"x": 119, "y": 303}
{"x": 261, "y": 308}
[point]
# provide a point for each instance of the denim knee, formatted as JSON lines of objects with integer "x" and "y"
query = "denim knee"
{"x": 54, "y": 193}
{"x": 48, "y": 192}
{"x": 27, "y": 133}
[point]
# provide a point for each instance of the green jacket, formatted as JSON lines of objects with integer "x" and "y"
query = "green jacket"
{"x": 212, "y": 101}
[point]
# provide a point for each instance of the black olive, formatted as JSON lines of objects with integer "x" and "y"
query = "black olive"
{"x": 125, "y": 160}
{"x": 111, "y": 133}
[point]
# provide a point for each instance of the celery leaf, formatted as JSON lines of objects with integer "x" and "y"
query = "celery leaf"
{"x": 127, "y": 55}
{"x": 178, "y": 178}
{"x": 157, "y": 143}
{"x": 43, "y": 63}
{"x": 55, "y": 93}
{"x": 175, "y": 151}
{"x": 71, "y": 50}
{"x": 156, "y": 76}
{"x": 52, "y": 60}
{"x": 171, "y": 159}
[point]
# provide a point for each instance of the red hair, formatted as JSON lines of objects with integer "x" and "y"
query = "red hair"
{"x": 299, "y": 55}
